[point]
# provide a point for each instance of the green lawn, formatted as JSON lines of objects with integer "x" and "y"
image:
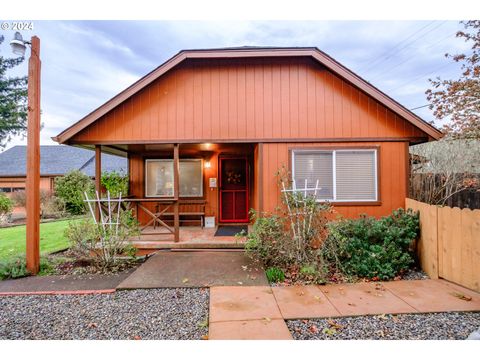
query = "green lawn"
{"x": 52, "y": 238}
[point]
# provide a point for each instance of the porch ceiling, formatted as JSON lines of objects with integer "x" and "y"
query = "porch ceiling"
{"x": 185, "y": 149}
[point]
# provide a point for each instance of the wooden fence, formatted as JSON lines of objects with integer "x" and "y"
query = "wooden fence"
{"x": 449, "y": 245}
{"x": 421, "y": 185}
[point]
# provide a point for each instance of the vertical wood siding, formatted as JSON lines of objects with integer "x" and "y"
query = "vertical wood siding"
{"x": 247, "y": 99}
{"x": 391, "y": 168}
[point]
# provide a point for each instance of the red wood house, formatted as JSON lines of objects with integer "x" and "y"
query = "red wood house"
{"x": 206, "y": 132}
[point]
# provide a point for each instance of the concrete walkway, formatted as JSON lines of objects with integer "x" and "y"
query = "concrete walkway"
{"x": 173, "y": 269}
{"x": 92, "y": 283}
{"x": 259, "y": 312}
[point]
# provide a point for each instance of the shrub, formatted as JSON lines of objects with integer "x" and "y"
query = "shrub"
{"x": 116, "y": 183}
{"x": 6, "y": 204}
{"x": 52, "y": 207}
{"x": 6, "y": 207}
{"x": 266, "y": 239}
{"x": 13, "y": 268}
{"x": 71, "y": 187}
{"x": 290, "y": 238}
{"x": 367, "y": 247}
{"x": 16, "y": 267}
{"x": 83, "y": 237}
{"x": 103, "y": 245}
{"x": 19, "y": 198}
{"x": 275, "y": 274}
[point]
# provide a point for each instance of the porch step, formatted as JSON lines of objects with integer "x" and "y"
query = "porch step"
{"x": 187, "y": 245}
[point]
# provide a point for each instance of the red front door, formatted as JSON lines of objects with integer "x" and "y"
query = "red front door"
{"x": 233, "y": 189}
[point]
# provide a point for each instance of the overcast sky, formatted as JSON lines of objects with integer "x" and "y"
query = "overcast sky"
{"x": 85, "y": 63}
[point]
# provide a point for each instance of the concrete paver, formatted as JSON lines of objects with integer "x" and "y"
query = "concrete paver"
{"x": 266, "y": 329}
{"x": 300, "y": 302}
{"x": 434, "y": 295}
{"x": 364, "y": 299}
{"x": 230, "y": 303}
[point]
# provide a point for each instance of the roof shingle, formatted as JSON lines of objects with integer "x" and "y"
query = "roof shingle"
{"x": 57, "y": 160}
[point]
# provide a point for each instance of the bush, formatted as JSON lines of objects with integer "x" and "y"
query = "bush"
{"x": 83, "y": 237}
{"x": 13, "y": 268}
{"x": 271, "y": 242}
{"x": 266, "y": 239}
{"x": 275, "y": 274}
{"x": 16, "y": 267}
{"x": 19, "y": 198}
{"x": 103, "y": 245}
{"x": 6, "y": 207}
{"x": 116, "y": 183}
{"x": 71, "y": 187}
{"x": 371, "y": 248}
{"x": 52, "y": 207}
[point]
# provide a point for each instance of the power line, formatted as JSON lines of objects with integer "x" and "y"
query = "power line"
{"x": 421, "y": 76}
{"x": 409, "y": 44}
{"x": 408, "y": 58}
{"x": 420, "y": 107}
{"x": 369, "y": 63}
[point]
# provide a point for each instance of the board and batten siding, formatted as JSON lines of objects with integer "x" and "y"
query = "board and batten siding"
{"x": 392, "y": 175}
{"x": 247, "y": 100}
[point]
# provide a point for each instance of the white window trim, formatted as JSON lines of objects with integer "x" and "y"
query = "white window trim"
{"x": 170, "y": 196}
{"x": 334, "y": 169}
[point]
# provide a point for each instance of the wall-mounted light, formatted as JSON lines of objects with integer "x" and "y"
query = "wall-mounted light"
{"x": 207, "y": 165}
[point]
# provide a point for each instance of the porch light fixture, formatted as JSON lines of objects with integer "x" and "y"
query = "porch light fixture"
{"x": 207, "y": 165}
{"x": 18, "y": 44}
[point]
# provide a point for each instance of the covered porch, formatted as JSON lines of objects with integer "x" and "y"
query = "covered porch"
{"x": 181, "y": 193}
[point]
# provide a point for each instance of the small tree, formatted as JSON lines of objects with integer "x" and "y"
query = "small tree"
{"x": 459, "y": 99}
{"x": 70, "y": 189}
{"x": 13, "y": 100}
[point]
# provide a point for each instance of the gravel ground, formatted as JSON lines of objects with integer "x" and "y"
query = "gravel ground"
{"x": 138, "y": 314}
{"x": 415, "y": 274}
{"x": 437, "y": 326}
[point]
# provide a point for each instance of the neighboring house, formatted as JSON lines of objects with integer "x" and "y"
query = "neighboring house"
{"x": 55, "y": 161}
{"x": 234, "y": 116}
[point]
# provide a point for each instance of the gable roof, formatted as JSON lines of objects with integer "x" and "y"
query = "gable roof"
{"x": 250, "y": 52}
{"x": 57, "y": 160}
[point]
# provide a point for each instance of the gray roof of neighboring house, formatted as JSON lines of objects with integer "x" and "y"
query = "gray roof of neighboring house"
{"x": 448, "y": 155}
{"x": 58, "y": 160}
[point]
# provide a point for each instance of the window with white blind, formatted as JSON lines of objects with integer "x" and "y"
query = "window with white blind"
{"x": 343, "y": 175}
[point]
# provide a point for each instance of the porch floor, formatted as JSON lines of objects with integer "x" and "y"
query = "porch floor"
{"x": 191, "y": 237}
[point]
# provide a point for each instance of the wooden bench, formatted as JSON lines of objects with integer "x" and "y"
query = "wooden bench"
{"x": 187, "y": 208}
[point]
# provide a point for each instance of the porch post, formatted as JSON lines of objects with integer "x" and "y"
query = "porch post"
{"x": 98, "y": 175}
{"x": 176, "y": 190}
{"x": 33, "y": 160}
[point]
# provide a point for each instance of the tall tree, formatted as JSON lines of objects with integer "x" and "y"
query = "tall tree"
{"x": 458, "y": 101}
{"x": 13, "y": 101}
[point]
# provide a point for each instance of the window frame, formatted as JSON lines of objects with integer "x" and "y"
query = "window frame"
{"x": 333, "y": 151}
{"x": 171, "y": 196}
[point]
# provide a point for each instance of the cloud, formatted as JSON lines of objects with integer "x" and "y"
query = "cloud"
{"x": 85, "y": 63}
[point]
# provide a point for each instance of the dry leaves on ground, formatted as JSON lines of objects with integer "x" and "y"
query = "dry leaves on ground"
{"x": 462, "y": 296}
